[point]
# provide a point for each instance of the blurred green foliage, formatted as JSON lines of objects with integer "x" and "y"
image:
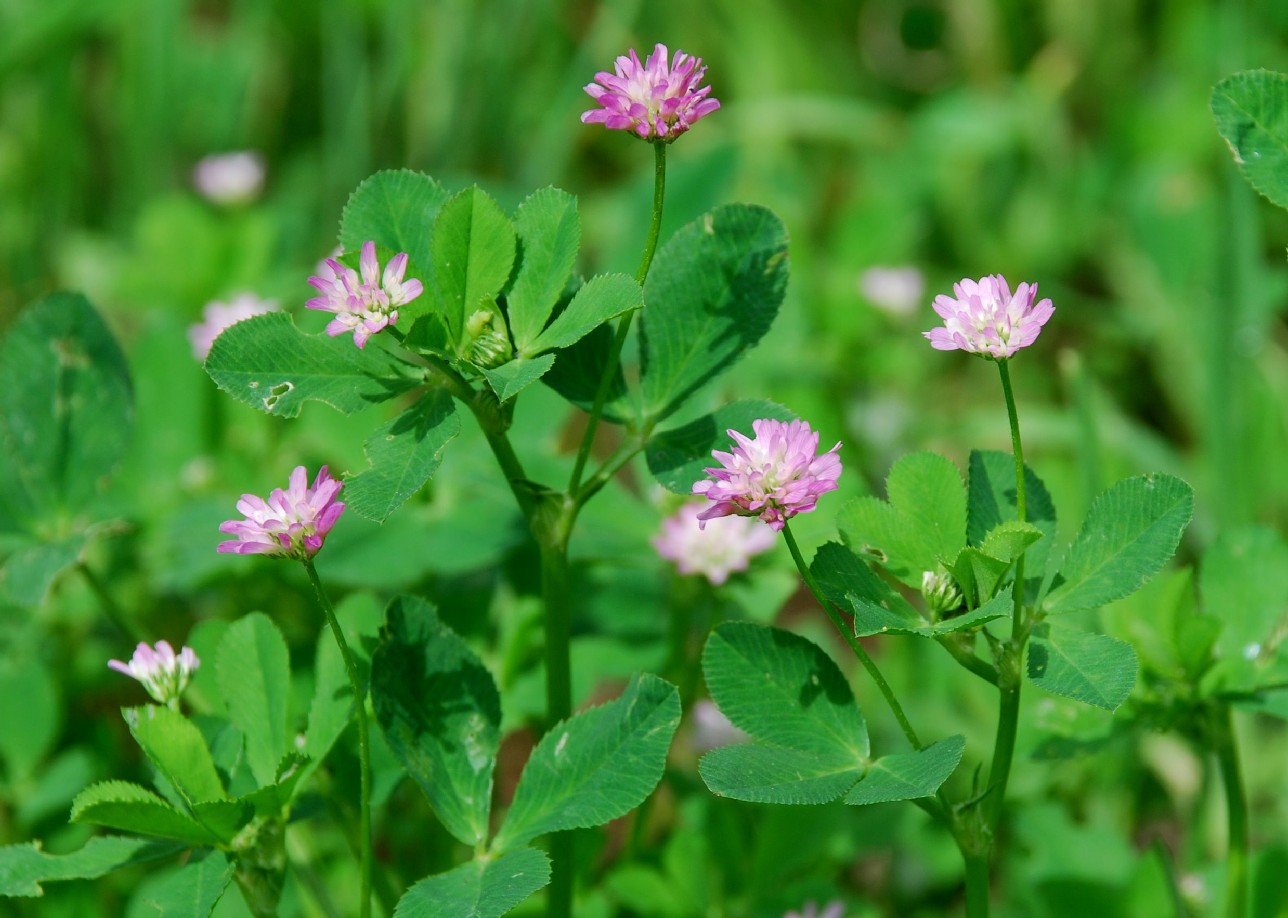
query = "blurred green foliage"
{"x": 1067, "y": 142}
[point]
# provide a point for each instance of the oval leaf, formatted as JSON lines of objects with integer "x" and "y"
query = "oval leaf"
{"x": 67, "y": 410}
{"x": 395, "y": 209}
{"x": 1130, "y": 532}
{"x": 549, "y": 233}
{"x": 601, "y": 298}
{"x": 126, "y": 806}
{"x": 403, "y": 454}
{"x": 471, "y": 258}
{"x": 909, "y": 775}
{"x": 441, "y": 713}
{"x": 483, "y": 888}
{"x": 1092, "y": 668}
{"x": 1251, "y": 111}
{"x": 712, "y": 293}
{"x": 595, "y": 766}
{"x": 253, "y": 671}
{"x": 269, "y": 364}
{"x": 175, "y": 746}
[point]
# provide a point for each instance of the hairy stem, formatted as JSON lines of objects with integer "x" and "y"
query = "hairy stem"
{"x": 364, "y": 744}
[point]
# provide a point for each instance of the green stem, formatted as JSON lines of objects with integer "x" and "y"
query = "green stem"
{"x": 968, "y": 659}
{"x": 848, "y": 634}
{"x": 976, "y": 885}
{"x": 364, "y": 745}
{"x": 551, "y": 525}
{"x": 624, "y": 323}
{"x": 111, "y": 608}
{"x": 1012, "y": 651}
{"x": 1236, "y": 806}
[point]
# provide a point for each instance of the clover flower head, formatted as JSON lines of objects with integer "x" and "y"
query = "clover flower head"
{"x": 292, "y": 523}
{"x": 715, "y": 550}
{"x": 164, "y": 673}
{"x": 229, "y": 178}
{"x": 983, "y": 317}
{"x": 940, "y": 590}
{"x": 774, "y": 476}
{"x": 656, "y": 100}
{"x": 218, "y": 316}
{"x": 363, "y": 303}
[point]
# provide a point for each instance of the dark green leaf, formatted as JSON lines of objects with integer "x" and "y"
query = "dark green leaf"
{"x": 678, "y": 457}
{"x": 549, "y": 233}
{"x": 595, "y": 766}
{"x": 194, "y": 889}
{"x": 909, "y": 775}
{"x": 785, "y": 691}
{"x": 577, "y": 372}
{"x": 396, "y": 210}
{"x": 67, "y": 410}
{"x": 271, "y": 365}
{"x": 1251, "y": 111}
{"x": 403, "y": 454}
{"x": 870, "y": 618}
{"x": 775, "y": 774}
{"x": 486, "y": 887}
{"x": 711, "y": 294}
{"x": 252, "y": 667}
{"x": 1091, "y": 668}
{"x": 441, "y": 714}
{"x": 23, "y": 868}
{"x": 1130, "y": 532}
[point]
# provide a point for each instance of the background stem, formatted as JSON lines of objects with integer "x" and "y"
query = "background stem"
{"x": 1236, "y": 806}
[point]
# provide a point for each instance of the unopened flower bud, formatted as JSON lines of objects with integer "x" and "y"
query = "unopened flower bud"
{"x": 940, "y": 591}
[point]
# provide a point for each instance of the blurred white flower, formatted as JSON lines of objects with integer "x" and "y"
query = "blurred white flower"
{"x": 895, "y": 290}
{"x": 726, "y": 545}
{"x": 229, "y": 178}
{"x": 711, "y": 729}
{"x": 219, "y": 315}
{"x": 833, "y": 909}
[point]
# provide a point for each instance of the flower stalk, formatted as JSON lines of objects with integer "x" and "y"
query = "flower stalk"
{"x": 364, "y": 742}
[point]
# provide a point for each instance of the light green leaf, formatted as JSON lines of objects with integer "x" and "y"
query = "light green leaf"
{"x": 269, "y": 364}
{"x": 403, "y": 454}
{"x": 194, "y": 889}
{"x": 67, "y": 411}
{"x": 253, "y": 669}
{"x": 441, "y": 714}
{"x": 178, "y": 751}
{"x": 977, "y": 574}
{"x": 332, "y": 707}
{"x": 785, "y": 691}
{"x": 909, "y": 775}
{"x": 678, "y": 457}
{"x": 30, "y": 571}
{"x": 1092, "y": 668}
{"x": 776, "y": 774}
{"x": 509, "y": 379}
{"x": 549, "y": 233}
{"x": 712, "y": 293}
{"x": 1008, "y": 540}
{"x": 595, "y": 766}
{"x": 23, "y": 868}
{"x": 130, "y": 808}
{"x": 396, "y": 210}
{"x": 991, "y": 502}
{"x": 922, "y": 525}
{"x": 1130, "y": 532}
{"x": 471, "y": 258}
{"x": 1251, "y": 111}
{"x": 486, "y": 887}
{"x": 601, "y": 298}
